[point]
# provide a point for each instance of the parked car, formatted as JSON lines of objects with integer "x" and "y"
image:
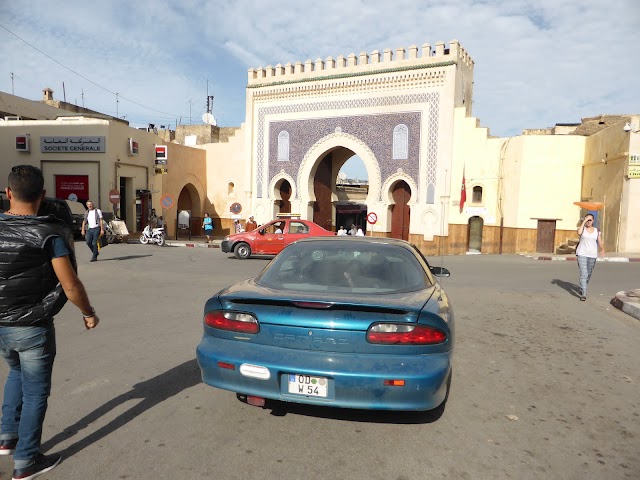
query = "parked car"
{"x": 71, "y": 213}
{"x": 355, "y": 322}
{"x": 272, "y": 237}
{"x": 78, "y": 211}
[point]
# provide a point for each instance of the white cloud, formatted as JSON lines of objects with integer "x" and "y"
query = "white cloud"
{"x": 536, "y": 64}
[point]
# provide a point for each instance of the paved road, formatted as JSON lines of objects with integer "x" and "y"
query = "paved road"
{"x": 128, "y": 403}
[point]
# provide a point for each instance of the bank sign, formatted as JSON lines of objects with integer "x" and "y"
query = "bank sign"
{"x": 72, "y": 145}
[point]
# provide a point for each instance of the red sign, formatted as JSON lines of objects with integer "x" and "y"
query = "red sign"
{"x": 161, "y": 154}
{"x": 372, "y": 218}
{"x": 133, "y": 147}
{"x": 72, "y": 186}
{"x": 114, "y": 196}
{"x": 235, "y": 208}
{"x": 22, "y": 143}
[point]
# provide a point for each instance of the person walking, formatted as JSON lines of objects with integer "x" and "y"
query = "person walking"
{"x": 251, "y": 225}
{"x": 207, "y": 224}
{"x": 587, "y": 252}
{"x": 36, "y": 259}
{"x": 92, "y": 228}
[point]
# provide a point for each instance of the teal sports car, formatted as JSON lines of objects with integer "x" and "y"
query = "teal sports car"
{"x": 344, "y": 322}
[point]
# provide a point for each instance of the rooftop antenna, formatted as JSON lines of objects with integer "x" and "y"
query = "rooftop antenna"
{"x": 208, "y": 117}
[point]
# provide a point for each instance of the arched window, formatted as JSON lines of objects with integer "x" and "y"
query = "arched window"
{"x": 477, "y": 195}
{"x": 231, "y": 189}
{"x": 283, "y": 146}
{"x": 400, "y": 142}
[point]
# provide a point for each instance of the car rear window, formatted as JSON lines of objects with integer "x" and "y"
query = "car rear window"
{"x": 345, "y": 266}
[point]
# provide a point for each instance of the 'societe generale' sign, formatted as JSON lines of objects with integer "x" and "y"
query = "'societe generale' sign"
{"x": 72, "y": 144}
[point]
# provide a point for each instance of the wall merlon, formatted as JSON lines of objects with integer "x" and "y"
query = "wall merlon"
{"x": 363, "y": 63}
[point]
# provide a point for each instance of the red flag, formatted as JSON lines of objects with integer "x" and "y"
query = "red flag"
{"x": 463, "y": 192}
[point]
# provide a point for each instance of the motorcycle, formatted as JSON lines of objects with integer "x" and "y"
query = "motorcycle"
{"x": 155, "y": 235}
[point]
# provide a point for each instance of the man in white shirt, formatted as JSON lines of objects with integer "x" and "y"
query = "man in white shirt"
{"x": 342, "y": 231}
{"x": 93, "y": 226}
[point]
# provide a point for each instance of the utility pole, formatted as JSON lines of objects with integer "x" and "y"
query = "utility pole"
{"x": 117, "y": 102}
{"x": 82, "y": 98}
{"x": 189, "y": 112}
{"x": 12, "y": 90}
{"x": 64, "y": 93}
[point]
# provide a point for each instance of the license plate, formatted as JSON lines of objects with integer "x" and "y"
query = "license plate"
{"x": 308, "y": 385}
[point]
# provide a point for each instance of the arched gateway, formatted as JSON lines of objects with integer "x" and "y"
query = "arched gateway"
{"x": 395, "y": 112}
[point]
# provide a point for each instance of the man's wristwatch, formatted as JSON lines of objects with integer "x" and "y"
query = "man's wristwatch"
{"x": 89, "y": 315}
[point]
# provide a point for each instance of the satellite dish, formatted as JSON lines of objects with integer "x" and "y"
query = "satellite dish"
{"x": 209, "y": 119}
{"x": 342, "y": 176}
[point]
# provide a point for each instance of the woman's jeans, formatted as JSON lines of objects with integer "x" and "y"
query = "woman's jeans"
{"x": 586, "y": 265}
{"x": 30, "y": 352}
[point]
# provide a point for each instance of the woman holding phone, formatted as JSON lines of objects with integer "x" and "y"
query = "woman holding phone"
{"x": 587, "y": 251}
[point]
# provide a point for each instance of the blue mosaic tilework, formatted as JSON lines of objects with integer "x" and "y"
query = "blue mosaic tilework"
{"x": 432, "y": 98}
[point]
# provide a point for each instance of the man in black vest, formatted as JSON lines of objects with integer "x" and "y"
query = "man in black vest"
{"x": 37, "y": 276}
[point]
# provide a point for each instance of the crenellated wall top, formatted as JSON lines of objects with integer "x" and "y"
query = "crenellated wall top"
{"x": 362, "y": 64}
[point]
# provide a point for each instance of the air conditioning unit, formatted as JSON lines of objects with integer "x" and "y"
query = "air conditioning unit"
{"x": 10, "y": 118}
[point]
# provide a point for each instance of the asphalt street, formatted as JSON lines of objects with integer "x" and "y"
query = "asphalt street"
{"x": 544, "y": 386}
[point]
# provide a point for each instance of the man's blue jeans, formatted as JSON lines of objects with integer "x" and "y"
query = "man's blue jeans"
{"x": 30, "y": 352}
{"x": 91, "y": 238}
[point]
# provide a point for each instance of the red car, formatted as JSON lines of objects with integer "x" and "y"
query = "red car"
{"x": 272, "y": 237}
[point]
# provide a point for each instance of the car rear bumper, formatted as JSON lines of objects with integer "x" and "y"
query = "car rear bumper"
{"x": 225, "y": 246}
{"x": 354, "y": 381}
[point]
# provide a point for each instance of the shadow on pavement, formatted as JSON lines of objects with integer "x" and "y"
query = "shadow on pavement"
{"x": 150, "y": 392}
{"x": 281, "y": 409}
{"x": 572, "y": 288}
{"x": 128, "y": 257}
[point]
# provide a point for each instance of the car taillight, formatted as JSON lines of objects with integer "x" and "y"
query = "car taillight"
{"x": 402, "y": 334}
{"x": 232, "y": 321}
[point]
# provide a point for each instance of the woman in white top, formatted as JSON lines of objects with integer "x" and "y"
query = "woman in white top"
{"x": 587, "y": 252}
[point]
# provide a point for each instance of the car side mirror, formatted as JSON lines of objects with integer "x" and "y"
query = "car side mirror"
{"x": 440, "y": 271}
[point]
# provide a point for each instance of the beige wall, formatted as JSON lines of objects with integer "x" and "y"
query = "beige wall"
{"x": 605, "y": 180}
{"x": 104, "y": 169}
{"x": 226, "y": 180}
{"x": 187, "y": 170}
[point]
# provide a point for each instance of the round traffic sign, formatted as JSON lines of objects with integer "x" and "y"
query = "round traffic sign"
{"x": 114, "y": 196}
{"x": 236, "y": 208}
{"x": 166, "y": 201}
{"x": 372, "y": 218}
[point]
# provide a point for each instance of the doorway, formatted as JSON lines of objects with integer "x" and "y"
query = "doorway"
{"x": 475, "y": 234}
{"x": 546, "y": 236}
{"x": 322, "y": 187}
{"x": 400, "y": 211}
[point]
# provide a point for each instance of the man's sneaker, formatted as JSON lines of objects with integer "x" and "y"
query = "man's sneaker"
{"x": 44, "y": 463}
{"x": 7, "y": 447}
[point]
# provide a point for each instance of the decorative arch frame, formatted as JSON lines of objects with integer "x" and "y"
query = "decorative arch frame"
{"x": 387, "y": 197}
{"x": 275, "y": 194}
{"x": 314, "y": 155}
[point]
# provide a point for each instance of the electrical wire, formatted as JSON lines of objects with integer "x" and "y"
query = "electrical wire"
{"x": 85, "y": 78}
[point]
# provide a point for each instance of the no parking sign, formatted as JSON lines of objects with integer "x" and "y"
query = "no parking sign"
{"x": 372, "y": 218}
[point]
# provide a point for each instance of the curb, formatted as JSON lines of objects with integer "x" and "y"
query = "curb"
{"x": 573, "y": 258}
{"x": 628, "y": 301}
{"x": 193, "y": 244}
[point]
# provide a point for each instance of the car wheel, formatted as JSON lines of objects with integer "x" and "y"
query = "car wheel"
{"x": 144, "y": 240}
{"x": 242, "y": 251}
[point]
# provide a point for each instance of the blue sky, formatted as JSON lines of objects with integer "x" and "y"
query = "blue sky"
{"x": 536, "y": 63}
